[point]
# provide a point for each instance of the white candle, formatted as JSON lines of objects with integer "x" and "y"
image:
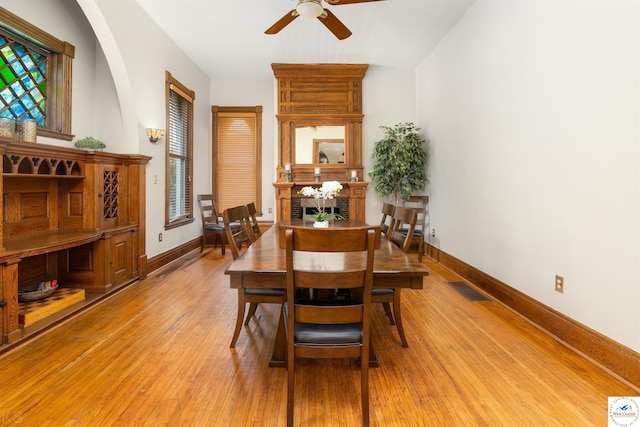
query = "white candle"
{"x": 317, "y": 171}
{"x": 287, "y": 167}
{"x": 354, "y": 174}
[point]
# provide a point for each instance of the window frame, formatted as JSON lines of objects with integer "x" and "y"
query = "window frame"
{"x": 173, "y": 85}
{"x": 215, "y": 166}
{"x": 59, "y": 87}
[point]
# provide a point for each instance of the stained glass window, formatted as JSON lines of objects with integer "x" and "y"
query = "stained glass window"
{"x": 23, "y": 81}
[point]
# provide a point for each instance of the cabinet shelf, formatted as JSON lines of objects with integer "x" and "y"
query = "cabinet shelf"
{"x": 48, "y": 242}
{"x": 46, "y": 176}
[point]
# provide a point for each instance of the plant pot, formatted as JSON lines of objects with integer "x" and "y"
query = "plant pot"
{"x": 321, "y": 224}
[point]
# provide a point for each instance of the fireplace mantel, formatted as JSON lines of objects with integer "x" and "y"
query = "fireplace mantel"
{"x": 314, "y": 96}
{"x": 287, "y": 192}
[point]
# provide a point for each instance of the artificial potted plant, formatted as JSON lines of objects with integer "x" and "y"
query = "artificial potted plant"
{"x": 329, "y": 190}
{"x": 400, "y": 162}
{"x": 90, "y": 143}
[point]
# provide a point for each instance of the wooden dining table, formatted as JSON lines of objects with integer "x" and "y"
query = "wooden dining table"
{"x": 263, "y": 265}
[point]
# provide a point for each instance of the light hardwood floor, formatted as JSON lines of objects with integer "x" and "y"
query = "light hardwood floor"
{"x": 157, "y": 353}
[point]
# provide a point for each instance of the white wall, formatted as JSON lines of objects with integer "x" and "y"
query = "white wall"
{"x": 138, "y": 53}
{"x": 532, "y": 109}
{"x": 388, "y": 98}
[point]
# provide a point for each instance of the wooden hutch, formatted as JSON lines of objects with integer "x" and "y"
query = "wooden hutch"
{"x": 72, "y": 215}
{"x": 318, "y": 96}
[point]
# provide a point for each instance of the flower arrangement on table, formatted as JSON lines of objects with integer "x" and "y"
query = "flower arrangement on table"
{"x": 329, "y": 190}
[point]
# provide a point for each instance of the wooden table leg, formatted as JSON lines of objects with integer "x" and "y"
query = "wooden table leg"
{"x": 279, "y": 354}
{"x": 373, "y": 359}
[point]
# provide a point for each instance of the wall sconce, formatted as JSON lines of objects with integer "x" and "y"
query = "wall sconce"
{"x": 154, "y": 134}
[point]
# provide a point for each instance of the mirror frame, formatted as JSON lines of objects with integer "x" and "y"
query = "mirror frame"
{"x": 352, "y": 145}
{"x": 317, "y": 95}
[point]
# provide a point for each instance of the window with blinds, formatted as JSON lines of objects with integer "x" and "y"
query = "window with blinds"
{"x": 237, "y": 152}
{"x": 179, "y": 206}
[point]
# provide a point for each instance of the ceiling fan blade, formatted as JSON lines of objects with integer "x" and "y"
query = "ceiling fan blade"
{"x": 334, "y": 25}
{"x": 339, "y": 2}
{"x": 283, "y": 22}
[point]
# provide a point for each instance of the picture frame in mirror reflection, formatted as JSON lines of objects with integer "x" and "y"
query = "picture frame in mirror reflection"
{"x": 329, "y": 151}
{"x": 307, "y": 141}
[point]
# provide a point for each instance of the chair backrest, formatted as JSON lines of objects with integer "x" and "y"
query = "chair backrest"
{"x": 420, "y": 205}
{"x": 251, "y": 210}
{"x": 347, "y": 263}
{"x": 387, "y": 215}
{"x": 404, "y": 224}
{"x": 208, "y": 211}
{"x": 236, "y": 236}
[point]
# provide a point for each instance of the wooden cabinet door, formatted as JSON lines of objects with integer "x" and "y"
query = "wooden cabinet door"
{"x": 121, "y": 258}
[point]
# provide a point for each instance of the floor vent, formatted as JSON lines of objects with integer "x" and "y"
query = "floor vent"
{"x": 468, "y": 292}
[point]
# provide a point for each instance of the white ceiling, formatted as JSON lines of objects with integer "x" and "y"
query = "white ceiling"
{"x": 226, "y": 37}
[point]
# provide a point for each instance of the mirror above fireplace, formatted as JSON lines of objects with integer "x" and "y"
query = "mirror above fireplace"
{"x": 319, "y": 145}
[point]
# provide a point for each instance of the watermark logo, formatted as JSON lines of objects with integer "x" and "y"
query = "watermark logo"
{"x": 624, "y": 411}
{"x": 10, "y": 417}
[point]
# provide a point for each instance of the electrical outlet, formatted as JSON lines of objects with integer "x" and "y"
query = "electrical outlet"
{"x": 159, "y": 237}
{"x": 433, "y": 232}
{"x": 270, "y": 210}
{"x": 559, "y": 284}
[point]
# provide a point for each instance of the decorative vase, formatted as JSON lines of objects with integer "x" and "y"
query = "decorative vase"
{"x": 26, "y": 130}
{"x": 7, "y": 127}
{"x": 321, "y": 224}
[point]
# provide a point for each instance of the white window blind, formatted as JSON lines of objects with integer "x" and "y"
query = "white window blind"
{"x": 179, "y": 141}
{"x": 238, "y": 162}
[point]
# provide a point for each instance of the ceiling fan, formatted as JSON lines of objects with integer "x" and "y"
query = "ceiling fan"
{"x": 314, "y": 9}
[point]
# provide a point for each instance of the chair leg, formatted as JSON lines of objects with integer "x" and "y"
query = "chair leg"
{"x": 364, "y": 385}
{"x": 397, "y": 314}
{"x": 420, "y": 248}
{"x": 241, "y": 304}
{"x": 290, "y": 384}
{"x": 252, "y": 311}
{"x": 223, "y": 239}
{"x": 387, "y": 310}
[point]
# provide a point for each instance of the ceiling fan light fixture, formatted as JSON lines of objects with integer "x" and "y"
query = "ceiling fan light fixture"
{"x": 309, "y": 8}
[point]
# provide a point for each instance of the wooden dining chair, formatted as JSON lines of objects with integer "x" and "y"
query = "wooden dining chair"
{"x": 243, "y": 235}
{"x": 251, "y": 208}
{"x": 212, "y": 227}
{"x": 320, "y": 329}
{"x": 420, "y": 205}
{"x": 403, "y": 218}
{"x": 387, "y": 218}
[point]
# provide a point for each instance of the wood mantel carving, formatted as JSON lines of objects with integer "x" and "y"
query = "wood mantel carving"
{"x": 320, "y": 95}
